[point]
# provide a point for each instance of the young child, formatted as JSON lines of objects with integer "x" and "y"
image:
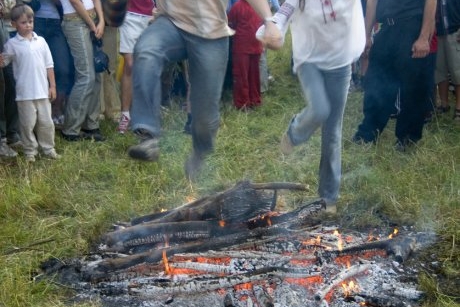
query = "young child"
{"x": 35, "y": 84}
{"x": 246, "y": 52}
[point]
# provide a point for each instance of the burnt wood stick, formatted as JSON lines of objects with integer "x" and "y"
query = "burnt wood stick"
{"x": 401, "y": 246}
{"x": 111, "y": 265}
{"x": 342, "y": 276}
{"x": 166, "y": 233}
{"x": 140, "y": 237}
{"x": 225, "y": 205}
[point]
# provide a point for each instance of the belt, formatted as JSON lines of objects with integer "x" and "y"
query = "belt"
{"x": 76, "y": 17}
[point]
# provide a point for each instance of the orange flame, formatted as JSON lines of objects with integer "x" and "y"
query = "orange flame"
{"x": 339, "y": 241}
{"x": 166, "y": 263}
{"x": 221, "y": 223}
{"x": 349, "y": 288}
{"x": 395, "y": 232}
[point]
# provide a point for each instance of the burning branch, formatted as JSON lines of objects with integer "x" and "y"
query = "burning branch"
{"x": 340, "y": 278}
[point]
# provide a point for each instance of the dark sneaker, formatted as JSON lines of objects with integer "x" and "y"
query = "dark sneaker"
{"x": 146, "y": 150}
{"x": 404, "y": 146}
{"x": 188, "y": 128}
{"x": 359, "y": 140}
{"x": 193, "y": 165}
{"x": 93, "y": 135}
{"x": 71, "y": 137}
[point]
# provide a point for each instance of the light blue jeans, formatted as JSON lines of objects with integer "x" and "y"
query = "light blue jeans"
{"x": 163, "y": 42}
{"x": 326, "y": 92}
{"x": 83, "y": 107}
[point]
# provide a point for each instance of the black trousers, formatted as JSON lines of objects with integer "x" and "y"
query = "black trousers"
{"x": 392, "y": 70}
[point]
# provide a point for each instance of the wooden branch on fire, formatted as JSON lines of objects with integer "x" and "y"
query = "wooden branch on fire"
{"x": 234, "y": 204}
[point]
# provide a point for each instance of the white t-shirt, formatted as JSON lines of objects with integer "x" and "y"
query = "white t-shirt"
{"x": 327, "y": 33}
{"x": 69, "y": 9}
{"x": 31, "y": 58}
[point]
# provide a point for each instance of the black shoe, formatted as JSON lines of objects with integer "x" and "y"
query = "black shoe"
{"x": 93, "y": 134}
{"x": 146, "y": 150}
{"x": 404, "y": 146}
{"x": 188, "y": 124}
{"x": 359, "y": 140}
{"x": 187, "y": 128}
{"x": 71, "y": 137}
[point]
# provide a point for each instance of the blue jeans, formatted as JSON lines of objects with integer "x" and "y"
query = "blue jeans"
{"x": 163, "y": 42}
{"x": 51, "y": 31}
{"x": 326, "y": 91}
{"x": 83, "y": 107}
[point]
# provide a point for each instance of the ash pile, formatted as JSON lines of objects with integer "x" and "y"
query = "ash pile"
{"x": 233, "y": 249}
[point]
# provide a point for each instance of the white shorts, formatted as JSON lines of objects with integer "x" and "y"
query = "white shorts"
{"x": 131, "y": 29}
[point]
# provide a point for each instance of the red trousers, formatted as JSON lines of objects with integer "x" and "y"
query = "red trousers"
{"x": 246, "y": 80}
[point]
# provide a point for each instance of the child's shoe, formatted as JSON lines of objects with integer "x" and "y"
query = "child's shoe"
{"x": 6, "y": 151}
{"x": 53, "y": 155}
{"x": 30, "y": 158}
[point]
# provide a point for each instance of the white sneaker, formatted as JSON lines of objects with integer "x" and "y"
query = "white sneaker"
{"x": 30, "y": 158}
{"x": 123, "y": 125}
{"x": 53, "y": 155}
{"x": 6, "y": 151}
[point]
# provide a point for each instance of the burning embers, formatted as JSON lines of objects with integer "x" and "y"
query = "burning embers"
{"x": 231, "y": 249}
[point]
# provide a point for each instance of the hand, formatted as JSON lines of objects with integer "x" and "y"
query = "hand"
{"x": 273, "y": 38}
{"x": 421, "y": 48}
{"x": 52, "y": 93}
{"x": 367, "y": 47}
{"x": 99, "y": 31}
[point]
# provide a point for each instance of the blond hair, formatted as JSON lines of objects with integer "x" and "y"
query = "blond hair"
{"x": 21, "y": 9}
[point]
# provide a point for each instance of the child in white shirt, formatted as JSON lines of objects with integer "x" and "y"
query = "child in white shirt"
{"x": 35, "y": 83}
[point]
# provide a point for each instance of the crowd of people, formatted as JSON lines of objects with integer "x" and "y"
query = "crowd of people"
{"x": 409, "y": 51}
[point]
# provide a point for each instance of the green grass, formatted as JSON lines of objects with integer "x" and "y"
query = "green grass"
{"x": 74, "y": 200}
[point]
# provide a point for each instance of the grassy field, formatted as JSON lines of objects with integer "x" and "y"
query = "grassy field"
{"x": 70, "y": 202}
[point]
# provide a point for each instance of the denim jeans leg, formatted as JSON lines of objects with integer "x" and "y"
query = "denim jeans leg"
{"x": 208, "y": 61}
{"x": 326, "y": 91}
{"x": 84, "y": 97}
{"x": 159, "y": 44}
{"x": 337, "y": 83}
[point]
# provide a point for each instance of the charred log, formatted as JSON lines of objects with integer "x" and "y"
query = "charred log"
{"x": 240, "y": 203}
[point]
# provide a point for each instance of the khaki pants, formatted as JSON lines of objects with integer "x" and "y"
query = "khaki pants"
{"x": 110, "y": 93}
{"x": 36, "y": 126}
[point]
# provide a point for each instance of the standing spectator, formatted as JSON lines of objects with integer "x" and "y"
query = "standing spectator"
{"x": 9, "y": 129}
{"x": 35, "y": 83}
{"x": 47, "y": 23}
{"x": 183, "y": 29}
{"x": 326, "y": 39}
{"x": 83, "y": 107}
{"x": 245, "y": 55}
{"x": 397, "y": 62}
{"x": 448, "y": 58}
{"x": 137, "y": 19}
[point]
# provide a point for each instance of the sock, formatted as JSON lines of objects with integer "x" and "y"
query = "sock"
{"x": 126, "y": 113}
